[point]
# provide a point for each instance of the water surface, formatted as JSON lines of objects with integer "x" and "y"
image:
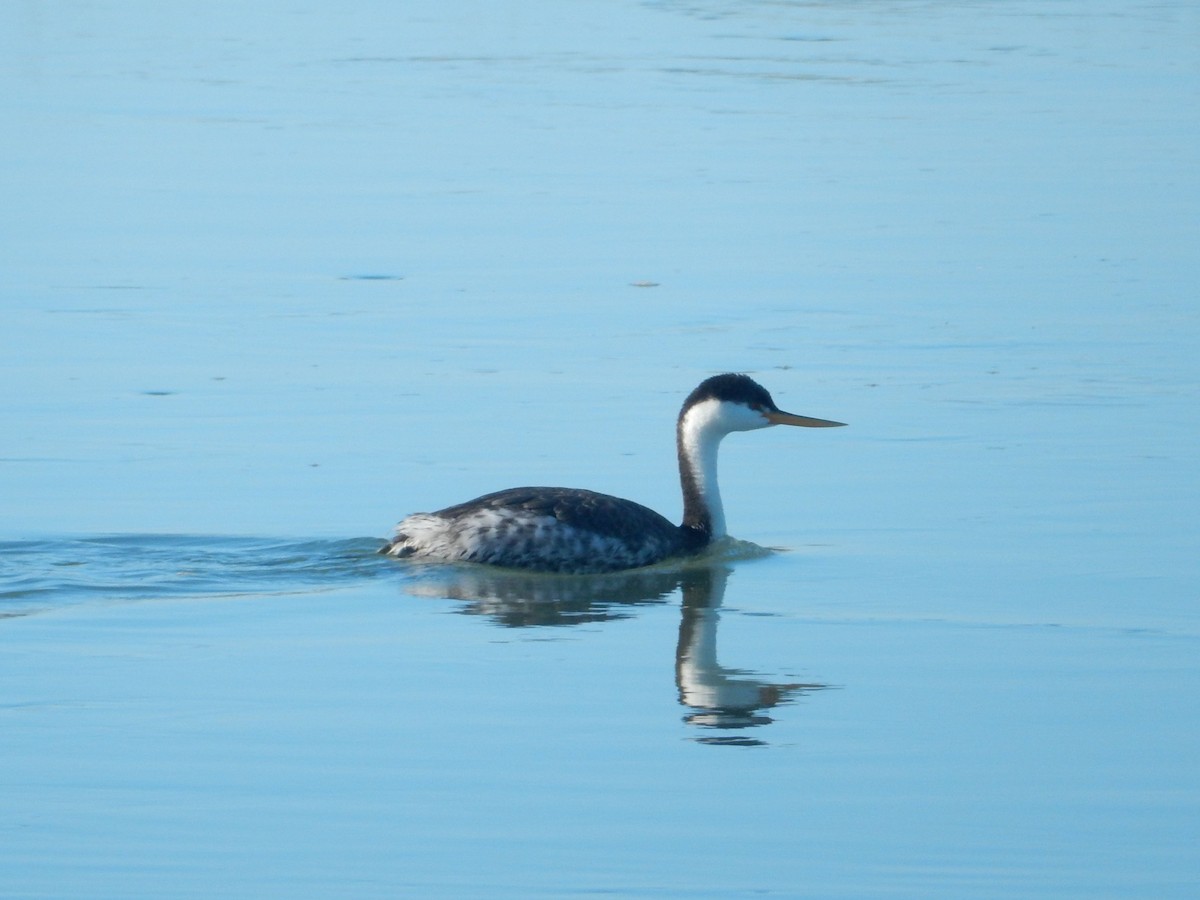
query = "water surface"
{"x": 276, "y": 276}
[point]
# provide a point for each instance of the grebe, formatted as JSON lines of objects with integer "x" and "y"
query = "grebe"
{"x": 569, "y": 530}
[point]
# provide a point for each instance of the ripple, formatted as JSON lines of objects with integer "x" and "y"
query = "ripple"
{"x": 51, "y": 573}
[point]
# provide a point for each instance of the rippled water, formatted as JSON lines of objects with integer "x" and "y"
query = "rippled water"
{"x": 47, "y": 574}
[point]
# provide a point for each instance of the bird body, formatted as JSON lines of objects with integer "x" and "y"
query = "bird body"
{"x": 572, "y": 530}
{"x": 547, "y": 529}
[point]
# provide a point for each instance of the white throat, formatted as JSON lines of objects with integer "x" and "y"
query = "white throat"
{"x": 699, "y": 441}
{"x": 700, "y": 432}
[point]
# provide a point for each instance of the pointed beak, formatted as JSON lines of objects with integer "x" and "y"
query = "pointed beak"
{"x": 778, "y": 417}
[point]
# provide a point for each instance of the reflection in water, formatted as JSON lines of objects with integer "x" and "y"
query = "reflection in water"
{"x": 516, "y": 599}
{"x": 720, "y": 699}
{"x": 725, "y": 699}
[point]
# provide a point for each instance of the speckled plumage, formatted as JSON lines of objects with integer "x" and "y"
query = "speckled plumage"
{"x": 553, "y": 529}
{"x": 546, "y": 529}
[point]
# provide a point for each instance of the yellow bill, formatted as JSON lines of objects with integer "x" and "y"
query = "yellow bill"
{"x": 779, "y": 417}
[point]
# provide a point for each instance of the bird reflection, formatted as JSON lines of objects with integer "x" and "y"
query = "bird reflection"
{"x": 723, "y": 698}
{"x": 516, "y": 599}
{"x": 722, "y": 701}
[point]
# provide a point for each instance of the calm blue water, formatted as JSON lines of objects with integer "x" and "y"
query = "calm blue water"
{"x": 276, "y": 275}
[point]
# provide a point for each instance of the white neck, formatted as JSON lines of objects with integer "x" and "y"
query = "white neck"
{"x": 698, "y": 436}
{"x": 699, "y": 440}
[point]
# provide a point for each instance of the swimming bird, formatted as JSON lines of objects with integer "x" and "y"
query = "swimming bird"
{"x": 571, "y": 530}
